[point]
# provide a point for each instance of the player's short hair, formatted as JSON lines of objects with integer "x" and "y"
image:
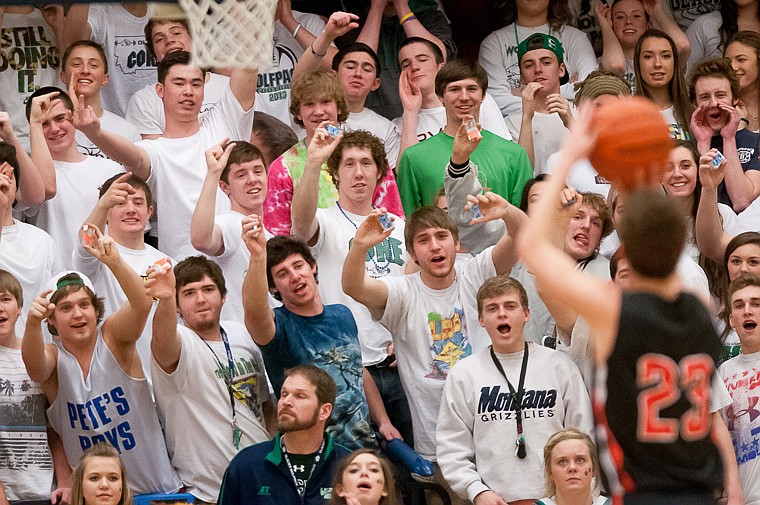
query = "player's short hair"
{"x": 652, "y": 231}
{"x": 317, "y": 85}
{"x": 133, "y": 181}
{"x": 242, "y": 152}
{"x": 425, "y": 218}
{"x": 85, "y": 43}
{"x": 501, "y": 285}
{"x": 459, "y": 69}
{"x": 194, "y": 268}
{"x": 363, "y": 140}
{"x": 326, "y": 389}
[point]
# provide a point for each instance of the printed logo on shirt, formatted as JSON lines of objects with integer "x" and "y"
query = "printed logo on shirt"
{"x": 26, "y": 49}
{"x": 380, "y": 257}
{"x": 325, "y": 492}
{"x": 105, "y": 414}
{"x": 23, "y": 437}
{"x": 131, "y": 55}
{"x": 745, "y": 154}
{"x": 689, "y": 10}
{"x": 276, "y": 83}
{"x": 245, "y": 385}
{"x": 499, "y": 404}
{"x": 450, "y": 344}
{"x": 264, "y": 491}
{"x": 677, "y": 132}
{"x": 743, "y": 415}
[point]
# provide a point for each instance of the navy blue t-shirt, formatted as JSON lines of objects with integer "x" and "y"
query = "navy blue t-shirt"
{"x": 330, "y": 341}
{"x": 747, "y": 146}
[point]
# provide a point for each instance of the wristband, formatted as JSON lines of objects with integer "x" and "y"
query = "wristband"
{"x": 311, "y": 46}
{"x": 295, "y": 32}
{"x": 744, "y": 119}
{"x": 407, "y": 17}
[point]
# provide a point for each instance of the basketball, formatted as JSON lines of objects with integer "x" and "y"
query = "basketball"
{"x": 632, "y": 140}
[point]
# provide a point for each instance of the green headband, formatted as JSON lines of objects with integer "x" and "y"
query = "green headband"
{"x": 62, "y": 284}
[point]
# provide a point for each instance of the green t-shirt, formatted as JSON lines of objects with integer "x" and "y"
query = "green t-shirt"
{"x": 503, "y": 166}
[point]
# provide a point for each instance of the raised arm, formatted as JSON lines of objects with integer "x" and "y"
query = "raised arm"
{"x": 303, "y": 209}
{"x": 663, "y": 19}
{"x": 556, "y": 273}
{"x": 305, "y": 38}
{"x": 31, "y": 189}
{"x": 166, "y": 345}
{"x": 411, "y": 100}
{"x": 75, "y": 26}
{"x": 413, "y": 27}
{"x": 708, "y": 231}
{"x": 494, "y": 207}
{"x": 39, "y": 358}
{"x": 205, "y": 235}
{"x": 613, "y": 57}
{"x": 259, "y": 318}
{"x": 43, "y": 160}
{"x": 370, "y": 32}
{"x": 122, "y": 328}
{"x": 526, "y": 120}
{"x": 372, "y": 293}
{"x": 317, "y": 51}
{"x": 117, "y": 194}
{"x": 243, "y": 82}
{"x": 134, "y": 158}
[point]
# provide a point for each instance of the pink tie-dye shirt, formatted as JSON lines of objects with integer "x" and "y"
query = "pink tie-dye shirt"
{"x": 287, "y": 170}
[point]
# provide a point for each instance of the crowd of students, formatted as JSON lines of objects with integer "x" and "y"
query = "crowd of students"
{"x": 224, "y": 281}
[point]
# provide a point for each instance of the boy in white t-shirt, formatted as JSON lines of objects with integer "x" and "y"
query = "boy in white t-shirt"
{"x": 165, "y": 33}
{"x": 356, "y": 161}
{"x": 431, "y": 314}
{"x": 76, "y": 179}
{"x": 26, "y": 251}
{"x": 125, "y": 204}
{"x": 237, "y": 169}
{"x": 117, "y": 28}
{"x": 546, "y": 114}
{"x": 174, "y": 165}
{"x": 85, "y": 72}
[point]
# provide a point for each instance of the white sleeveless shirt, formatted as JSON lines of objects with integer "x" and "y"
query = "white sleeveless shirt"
{"x": 110, "y": 406}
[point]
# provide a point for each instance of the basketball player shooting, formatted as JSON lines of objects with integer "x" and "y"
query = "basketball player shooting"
{"x": 655, "y": 347}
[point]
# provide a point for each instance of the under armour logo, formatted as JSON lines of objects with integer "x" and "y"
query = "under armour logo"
{"x": 751, "y": 409}
{"x": 299, "y": 468}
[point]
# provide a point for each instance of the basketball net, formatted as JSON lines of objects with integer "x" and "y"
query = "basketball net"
{"x": 231, "y": 33}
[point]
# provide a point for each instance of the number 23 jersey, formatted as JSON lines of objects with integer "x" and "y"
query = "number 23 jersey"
{"x": 660, "y": 369}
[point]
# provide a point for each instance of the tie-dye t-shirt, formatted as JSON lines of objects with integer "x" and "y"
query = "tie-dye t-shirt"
{"x": 285, "y": 172}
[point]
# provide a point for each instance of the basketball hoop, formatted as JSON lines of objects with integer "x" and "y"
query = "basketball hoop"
{"x": 231, "y": 33}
